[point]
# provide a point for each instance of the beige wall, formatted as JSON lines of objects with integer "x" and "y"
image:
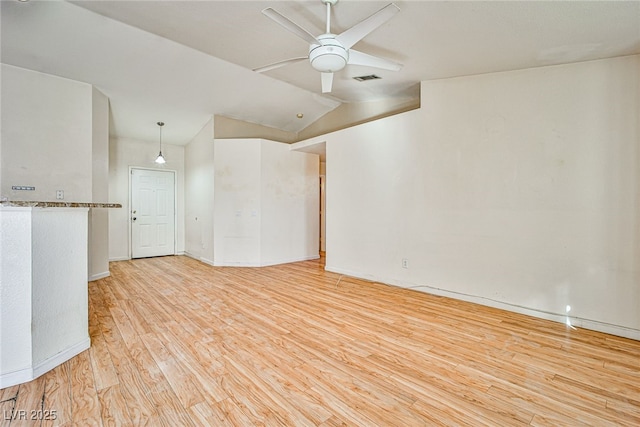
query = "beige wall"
{"x": 345, "y": 115}
{"x": 227, "y": 128}
{"x": 355, "y": 113}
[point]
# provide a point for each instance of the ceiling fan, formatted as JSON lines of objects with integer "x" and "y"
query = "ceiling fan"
{"x": 328, "y": 52}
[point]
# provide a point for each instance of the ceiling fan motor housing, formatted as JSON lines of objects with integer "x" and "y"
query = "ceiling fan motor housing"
{"x": 329, "y": 56}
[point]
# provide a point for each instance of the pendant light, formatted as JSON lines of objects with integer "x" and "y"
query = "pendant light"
{"x": 160, "y": 159}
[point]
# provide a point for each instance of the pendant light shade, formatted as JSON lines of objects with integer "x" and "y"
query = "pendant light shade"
{"x": 160, "y": 159}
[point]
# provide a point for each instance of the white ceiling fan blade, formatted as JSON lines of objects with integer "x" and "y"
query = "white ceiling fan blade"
{"x": 360, "y": 58}
{"x": 356, "y": 33}
{"x": 290, "y": 25}
{"x": 279, "y": 64}
{"x": 327, "y": 82}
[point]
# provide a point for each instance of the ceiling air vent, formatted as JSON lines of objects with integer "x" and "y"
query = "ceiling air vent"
{"x": 365, "y": 78}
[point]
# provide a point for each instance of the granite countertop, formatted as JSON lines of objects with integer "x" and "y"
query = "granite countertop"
{"x": 36, "y": 204}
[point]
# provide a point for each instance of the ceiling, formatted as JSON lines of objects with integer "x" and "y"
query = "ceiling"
{"x": 183, "y": 61}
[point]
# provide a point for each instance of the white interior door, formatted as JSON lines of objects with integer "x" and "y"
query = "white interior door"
{"x": 152, "y": 213}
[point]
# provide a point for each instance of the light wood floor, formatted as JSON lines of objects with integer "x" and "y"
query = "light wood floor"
{"x": 176, "y": 342}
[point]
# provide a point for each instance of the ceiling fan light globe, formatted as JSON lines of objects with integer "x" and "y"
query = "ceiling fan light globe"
{"x": 329, "y": 63}
{"x": 329, "y": 56}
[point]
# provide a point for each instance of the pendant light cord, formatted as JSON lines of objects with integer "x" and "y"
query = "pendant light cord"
{"x": 160, "y": 124}
{"x": 160, "y": 159}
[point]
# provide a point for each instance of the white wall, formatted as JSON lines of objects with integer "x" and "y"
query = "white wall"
{"x": 199, "y": 179}
{"x": 518, "y": 189}
{"x": 237, "y": 202}
{"x": 290, "y": 204}
{"x": 43, "y": 290}
{"x": 15, "y": 290}
{"x": 99, "y": 218}
{"x": 46, "y": 136}
{"x": 60, "y": 302}
{"x": 2, "y": 195}
{"x": 55, "y": 135}
{"x": 266, "y": 203}
{"x": 125, "y": 153}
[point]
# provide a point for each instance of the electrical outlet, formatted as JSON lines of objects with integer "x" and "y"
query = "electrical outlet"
{"x": 60, "y": 194}
{"x": 405, "y": 263}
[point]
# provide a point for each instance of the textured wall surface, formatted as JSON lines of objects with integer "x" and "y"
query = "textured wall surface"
{"x": 44, "y": 305}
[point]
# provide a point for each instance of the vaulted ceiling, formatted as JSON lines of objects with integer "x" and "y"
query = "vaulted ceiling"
{"x": 184, "y": 61}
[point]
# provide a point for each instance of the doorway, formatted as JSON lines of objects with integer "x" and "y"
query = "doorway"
{"x": 153, "y": 213}
{"x": 323, "y": 227}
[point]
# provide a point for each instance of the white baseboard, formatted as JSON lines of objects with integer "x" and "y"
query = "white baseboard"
{"x": 201, "y": 259}
{"x": 17, "y": 377}
{"x": 206, "y": 261}
{"x": 576, "y": 322}
{"x": 127, "y": 258}
{"x": 289, "y": 260}
{"x": 238, "y": 264}
{"x": 58, "y": 359}
{"x": 99, "y": 276}
{"x": 268, "y": 263}
{"x": 253, "y": 264}
{"x": 33, "y": 372}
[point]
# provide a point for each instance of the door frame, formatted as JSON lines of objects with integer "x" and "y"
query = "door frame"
{"x": 323, "y": 213}
{"x": 175, "y": 206}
